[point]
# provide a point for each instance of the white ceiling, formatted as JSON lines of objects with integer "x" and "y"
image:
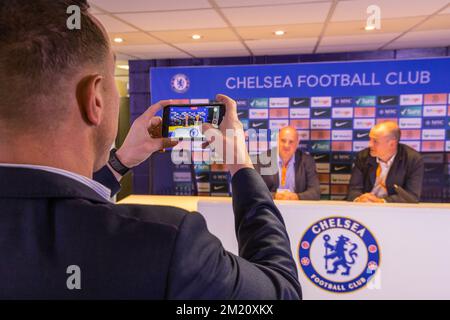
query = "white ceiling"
{"x": 158, "y": 29}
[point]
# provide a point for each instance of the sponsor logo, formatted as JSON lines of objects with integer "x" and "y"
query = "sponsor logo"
{"x": 300, "y": 102}
{"x": 388, "y": 100}
{"x": 321, "y": 102}
{"x": 364, "y": 123}
{"x": 258, "y": 113}
{"x": 343, "y": 101}
{"x": 433, "y": 123}
{"x": 322, "y": 157}
{"x": 320, "y": 134}
{"x": 242, "y": 114}
{"x": 279, "y": 102}
{"x": 278, "y": 124}
{"x": 342, "y": 124}
{"x": 361, "y": 134}
{"x": 430, "y": 146}
{"x": 259, "y": 103}
{"x": 364, "y": 112}
{"x": 360, "y": 145}
{"x": 320, "y": 124}
{"x": 254, "y": 124}
{"x": 387, "y": 112}
{"x": 341, "y": 157}
{"x": 366, "y": 101}
{"x": 341, "y": 168}
{"x": 320, "y": 113}
{"x": 411, "y": 99}
{"x": 324, "y": 189}
{"x": 415, "y": 111}
{"x": 413, "y": 123}
{"x": 339, "y": 254}
{"x": 279, "y": 113}
{"x": 339, "y": 189}
{"x": 320, "y": 146}
{"x": 340, "y": 178}
{"x": 413, "y": 144}
{"x": 433, "y": 134}
{"x": 341, "y": 146}
{"x": 411, "y": 134}
{"x": 322, "y": 167}
{"x": 299, "y": 113}
{"x": 242, "y": 103}
{"x": 434, "y": 111}
{"x": 437, "y": 98}
{"x": 303, "y": 135}
{"x": 180, "y": 83}
{"x": 342, "y": 135}
{"x": 182, "y": 176}
{"x": 342, "y": 112}
{"x": 300, "y": 124}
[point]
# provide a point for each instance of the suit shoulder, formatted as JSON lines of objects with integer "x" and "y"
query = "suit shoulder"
{"x": 363, "y": 155}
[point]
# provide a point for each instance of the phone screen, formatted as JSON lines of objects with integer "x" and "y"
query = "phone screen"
{"x": 185, "y": 121}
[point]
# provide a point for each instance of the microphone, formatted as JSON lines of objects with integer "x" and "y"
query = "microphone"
{"x": 404, "y": 194}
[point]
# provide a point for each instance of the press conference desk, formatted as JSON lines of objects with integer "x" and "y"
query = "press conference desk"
{"x": 413, "y": 241}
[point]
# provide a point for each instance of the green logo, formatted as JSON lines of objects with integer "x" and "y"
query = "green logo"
{"x": 365, "y": 101}
{"x": 259, "y": 103}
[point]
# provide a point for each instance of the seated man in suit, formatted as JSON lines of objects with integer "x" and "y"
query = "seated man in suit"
{"x": 386, "y": 171}
{"x": 295, "y": 177}
{"x": 60, "y": 235}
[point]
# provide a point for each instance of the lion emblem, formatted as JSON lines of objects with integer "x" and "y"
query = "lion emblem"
{"x": 338, "y": 254}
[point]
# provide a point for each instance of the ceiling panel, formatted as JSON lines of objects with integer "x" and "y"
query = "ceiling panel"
{"x": 292, "y": 31}
{"x": 420, "y": 39}
{"x": 344, "y": 48}
{"x": 211, "y": 46}
{"x": 359, "y": 39}
{"x": 221, "y": 53}
{"x": 276, "y": 15}
{"x": 357, "y": 27}
{"x": 282, "y": 43}
{"x": 133, "y": 38}
{"x": 114, "y": 25}
{"x": 282, "y": 51}
{"x": 208, "y": 35}
{"x": 175, "y": 20}
{"x": 356, "y": 9}
{"x": 243, "y": 3}
{"x": 149, "y": 5}
{"x": 437, "y": 22}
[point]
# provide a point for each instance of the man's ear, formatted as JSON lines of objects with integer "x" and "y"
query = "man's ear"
{"x": 90, "y": 99}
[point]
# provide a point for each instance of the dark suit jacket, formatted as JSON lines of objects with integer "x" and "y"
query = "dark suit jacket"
{"x": 406, "y": 172}
{"x": 49, "y": 222}
{"x": 307, "y": 184}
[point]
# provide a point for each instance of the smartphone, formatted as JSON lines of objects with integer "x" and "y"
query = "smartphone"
{"x": 185, "y": 121}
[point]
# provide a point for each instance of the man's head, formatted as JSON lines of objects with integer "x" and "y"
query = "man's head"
{"x": 384, "y": 139}
{"x": 288, "y": 141}
{"x": 55, "y": 81}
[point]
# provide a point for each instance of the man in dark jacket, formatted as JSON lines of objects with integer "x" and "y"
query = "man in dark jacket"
{"x": 387, "y": 171}
{"x": 60, "y": 236}
{"x": 294, "y": 174}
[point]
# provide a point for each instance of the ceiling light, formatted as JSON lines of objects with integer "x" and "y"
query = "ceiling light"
{"x": 279, "y": 33}
{"x": 118, "y": 40}
{"x": 369, "y": 28}
{"x": 196, "y": 37}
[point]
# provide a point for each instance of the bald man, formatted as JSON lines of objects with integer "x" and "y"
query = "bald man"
{"x": 383, "y": 166}
{"x": 296, "y": 177}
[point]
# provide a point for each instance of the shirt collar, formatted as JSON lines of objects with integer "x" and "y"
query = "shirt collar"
{"x": 291, "y": 161}
{"x": 389, "y": 162}
{"x": 100, "y": 189}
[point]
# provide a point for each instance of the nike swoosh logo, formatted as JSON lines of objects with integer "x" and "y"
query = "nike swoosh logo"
{"x": 429, "y": 170}
{"x": 319, "y": 157}
{"x": 386, "y": 100}
{"x": 218, "y": 188}
{"x": 296, "y": 103}
{"x": 361, "y": 135}
{"x": 240, "y": 113}
{"x": 256, "y": 125}
{"x": 200, "y": 177}
{"x": 340, "y": 124}
{"x": 319, "y": 113}
{"x": 339, "y": 168}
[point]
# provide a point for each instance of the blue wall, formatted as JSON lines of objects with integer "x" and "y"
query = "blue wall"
{"x": 140, "y": 86}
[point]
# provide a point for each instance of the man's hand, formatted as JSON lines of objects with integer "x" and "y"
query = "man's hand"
{"x": 286, "y": 195}
{"x": 144, "y": 137}
{"x": 234, "y": 142}
{"x": 369, "y": 197}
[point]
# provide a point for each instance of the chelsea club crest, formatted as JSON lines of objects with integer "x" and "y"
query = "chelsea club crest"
{"x": 180, "y": 83}
{"x": 339, "y": 254}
